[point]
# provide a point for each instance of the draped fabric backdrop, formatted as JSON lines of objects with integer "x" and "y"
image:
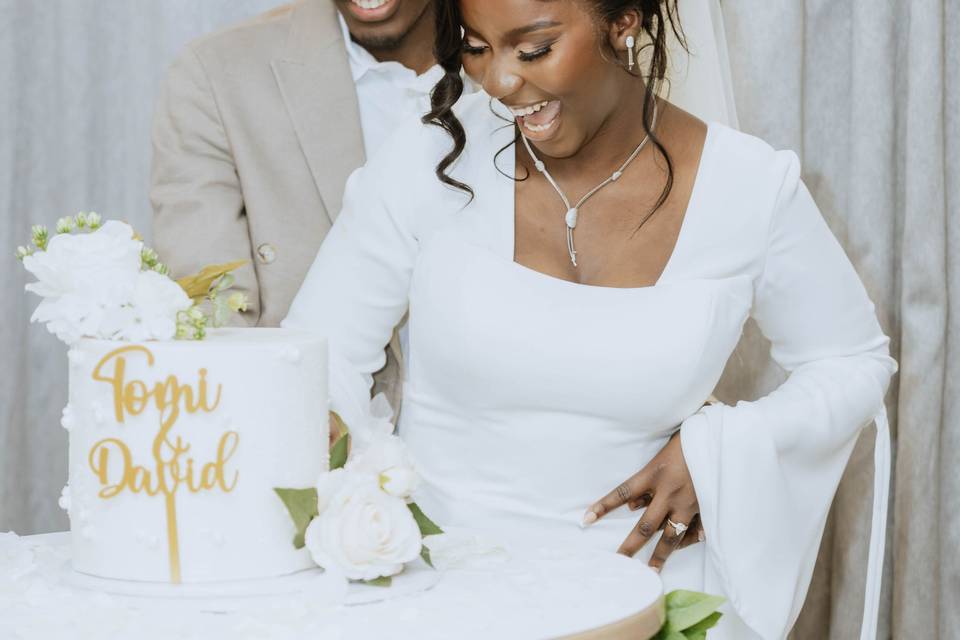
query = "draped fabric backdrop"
{"x": 866, "y": 92}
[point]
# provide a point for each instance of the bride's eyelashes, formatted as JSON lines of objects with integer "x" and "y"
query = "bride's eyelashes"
{"x": 533, "y": 55}
{"x": 472, "y": 50}
{"x": 476, "y": 50}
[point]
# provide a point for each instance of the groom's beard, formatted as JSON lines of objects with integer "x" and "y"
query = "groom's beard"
{"x": 392, "y": 41}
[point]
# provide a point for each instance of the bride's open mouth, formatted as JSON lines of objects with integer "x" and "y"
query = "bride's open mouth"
{"x": 538, "y": 121}
{"x": 372, "y": 10}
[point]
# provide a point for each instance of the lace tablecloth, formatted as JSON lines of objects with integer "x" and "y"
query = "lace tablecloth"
{"x": 484, "y": 591}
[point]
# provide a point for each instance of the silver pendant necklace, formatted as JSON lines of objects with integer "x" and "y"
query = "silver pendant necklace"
{"x": 573, "y": 212}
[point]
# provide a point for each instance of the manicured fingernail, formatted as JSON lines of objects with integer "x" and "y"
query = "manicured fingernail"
{"x": 657, "y": 569}
{"x": 700, "y": 536}
{"x": 588, "y": 519}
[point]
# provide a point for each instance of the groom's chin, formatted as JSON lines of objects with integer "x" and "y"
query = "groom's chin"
{"x": 381, "y": 25}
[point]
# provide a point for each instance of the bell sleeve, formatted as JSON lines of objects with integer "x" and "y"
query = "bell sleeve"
{"x": 765, "y": 472}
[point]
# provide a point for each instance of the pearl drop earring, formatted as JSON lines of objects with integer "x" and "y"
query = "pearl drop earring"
{"x": 631, "y": 43}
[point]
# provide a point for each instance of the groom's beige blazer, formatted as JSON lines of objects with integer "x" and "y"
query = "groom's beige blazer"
{"x": 256, "y": 130}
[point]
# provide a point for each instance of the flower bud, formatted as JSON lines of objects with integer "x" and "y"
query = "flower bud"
{"x": 81, "y": 218}
{"x": 65, "y": 224}
{"x": 148, "y": 257}
{"x": 23, "y": 252}
{"x": 40, "y": 236}
{"x": 93, "y": 220}
{"x": 237, "y": 302}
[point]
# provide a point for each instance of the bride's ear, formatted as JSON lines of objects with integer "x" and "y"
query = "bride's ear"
{"x": 628, "y": 24}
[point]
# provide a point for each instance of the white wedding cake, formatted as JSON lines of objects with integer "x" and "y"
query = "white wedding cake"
{"x": 200, "y": 454}
{"x": 176, "y": 447}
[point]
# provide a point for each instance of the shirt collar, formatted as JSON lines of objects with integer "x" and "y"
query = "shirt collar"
{"x": 363, "y": 63}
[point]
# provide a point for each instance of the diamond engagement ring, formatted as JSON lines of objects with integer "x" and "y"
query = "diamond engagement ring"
{"x": 679, "y": 527}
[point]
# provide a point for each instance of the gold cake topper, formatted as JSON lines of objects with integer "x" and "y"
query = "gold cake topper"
{"x": 171, "y": 469}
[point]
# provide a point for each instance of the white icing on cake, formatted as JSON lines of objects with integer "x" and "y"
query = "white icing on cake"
{"x": 224, "y": 522}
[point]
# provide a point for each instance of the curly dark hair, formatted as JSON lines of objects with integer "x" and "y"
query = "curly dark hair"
{"x": 656, "y": 16}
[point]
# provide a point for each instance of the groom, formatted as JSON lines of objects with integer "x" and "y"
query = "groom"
{"x": 258, "y": 127}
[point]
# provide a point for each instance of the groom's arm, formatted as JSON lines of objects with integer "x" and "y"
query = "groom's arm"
{"x": 198, "y": 209}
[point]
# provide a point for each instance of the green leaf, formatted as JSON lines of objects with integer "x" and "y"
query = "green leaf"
{"x": 687, "y": 608}
{"x": 382, "y": 581}
{"x": 665, "y": 634}
{"x": 302, "y": 505}
{"x": 425, "y": 554}
{"x": 699, "y": 630}
{"x": 338, "y": 455}
{"x": 427, "y": 527}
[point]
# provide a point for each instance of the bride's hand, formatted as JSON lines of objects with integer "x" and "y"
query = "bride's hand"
{"x": 665, "y": 488}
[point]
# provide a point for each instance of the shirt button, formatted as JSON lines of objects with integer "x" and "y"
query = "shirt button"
{"x": 267, "y": 253}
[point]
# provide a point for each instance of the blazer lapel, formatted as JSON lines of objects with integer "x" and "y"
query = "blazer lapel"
{"x": 314, "y": 77}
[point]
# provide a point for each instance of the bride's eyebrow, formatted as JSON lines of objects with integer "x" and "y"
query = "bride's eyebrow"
{"x": 530, "y": 28}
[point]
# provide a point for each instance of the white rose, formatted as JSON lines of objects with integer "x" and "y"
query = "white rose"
{"x": 151, "y": 311}
{"x": 82, "y": 278}
{"x": 71, "y": 316}
{"x": 101, "y": 265}
{"x": 386, "y": 457}
{"x": 361, "y": 532}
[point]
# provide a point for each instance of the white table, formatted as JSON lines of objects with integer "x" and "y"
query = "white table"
{"x": 519, "y": 592}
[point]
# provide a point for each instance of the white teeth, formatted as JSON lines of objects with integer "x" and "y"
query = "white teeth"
{"x": 539, "y": 127}
{"x": 528, "y": 110}
{"x": 370, "y": 4}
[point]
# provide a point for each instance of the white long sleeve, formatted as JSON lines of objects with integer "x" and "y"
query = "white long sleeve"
{"x": 766, "y": 472}
{"x": 355, "y": 292}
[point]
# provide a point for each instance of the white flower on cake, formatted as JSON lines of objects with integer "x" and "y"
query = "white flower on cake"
{"x": 100, "y": 281}
{"x": 361, "y": 531}
{"x": 151, "y": 310}
{"x": 360, "y": 520}
{"x": 386, "y": 457}
{"x": 82, "y": 278}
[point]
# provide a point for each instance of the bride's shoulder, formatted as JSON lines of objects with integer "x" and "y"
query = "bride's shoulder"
{"x": 748, "y": 167}
{"x": 744, "y": 151}
{"x": 749, "y": 156}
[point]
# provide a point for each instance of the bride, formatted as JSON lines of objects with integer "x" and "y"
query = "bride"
{"x": 578, "y": 257}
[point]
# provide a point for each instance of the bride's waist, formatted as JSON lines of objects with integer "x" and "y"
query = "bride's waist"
{"x": 528, "y": 459}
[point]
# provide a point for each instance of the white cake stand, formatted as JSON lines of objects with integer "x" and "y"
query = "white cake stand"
{"x": 235, "y": 595}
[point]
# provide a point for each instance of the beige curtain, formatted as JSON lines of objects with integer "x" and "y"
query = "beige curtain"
{"x": 868, "y": 93}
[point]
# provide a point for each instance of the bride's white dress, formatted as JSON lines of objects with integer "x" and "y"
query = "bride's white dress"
{"x": 527, "y": 398}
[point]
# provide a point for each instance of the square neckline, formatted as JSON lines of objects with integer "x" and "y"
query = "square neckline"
{"x": 695, "y": 195}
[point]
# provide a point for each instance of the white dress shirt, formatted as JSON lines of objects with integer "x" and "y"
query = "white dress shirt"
{"x": 388, "y": 92}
